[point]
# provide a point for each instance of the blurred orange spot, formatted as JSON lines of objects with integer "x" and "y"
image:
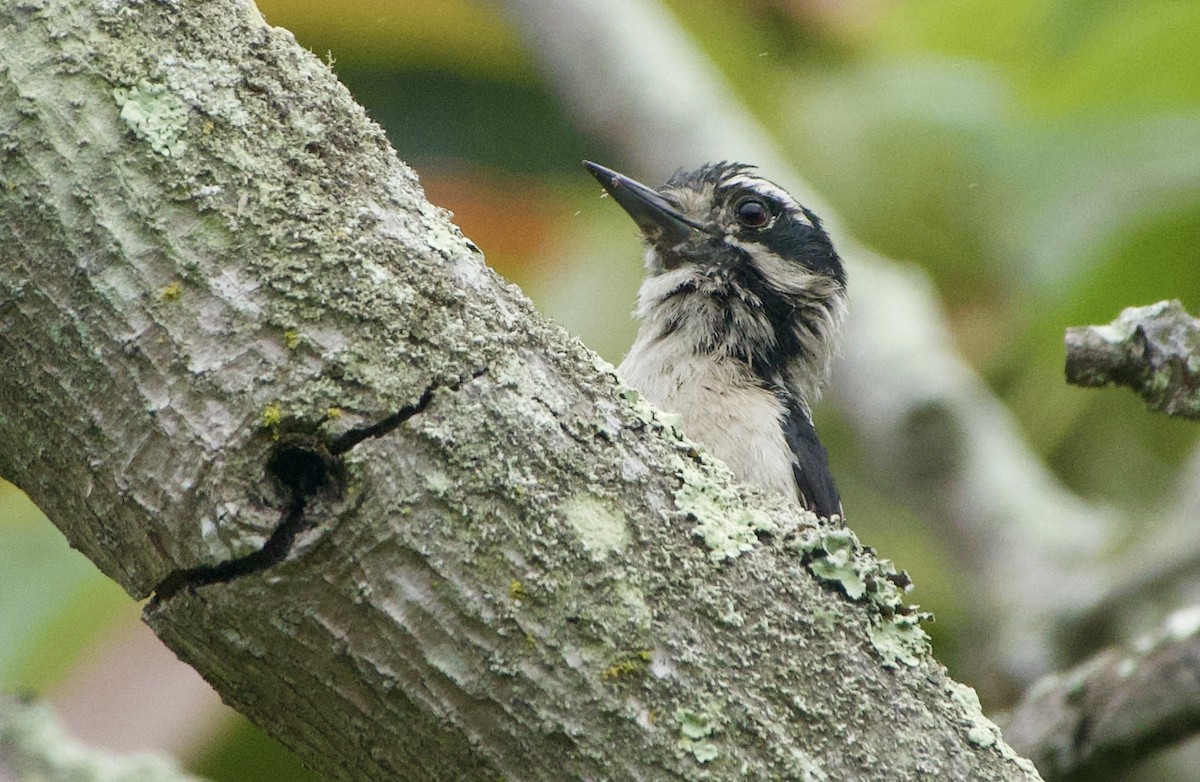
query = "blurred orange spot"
{"x": 510, "y": 217}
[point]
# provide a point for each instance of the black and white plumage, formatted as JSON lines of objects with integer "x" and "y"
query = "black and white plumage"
{"x": 741, "y": 308}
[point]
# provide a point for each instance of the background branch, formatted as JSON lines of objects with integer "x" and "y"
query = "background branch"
{"x": 1154, "y": 350}
{"x": 34, "y": 746}
{"x": 1124, "y": 703}
{"x": 1116, "y": 708}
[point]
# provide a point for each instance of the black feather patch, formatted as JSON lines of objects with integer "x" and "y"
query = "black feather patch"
{"x": 811, "y": 246}
{"x": 768, "y": 360}
{"x": 810, "y": 465}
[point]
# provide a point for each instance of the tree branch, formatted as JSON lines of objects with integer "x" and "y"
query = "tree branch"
{"x": 1116, "y": 708}
{"x": 1154, "y": 350}
{"x": 34, "y": 746}
{"x": 1122, "y": 704}
{"x": 407, "y": 526}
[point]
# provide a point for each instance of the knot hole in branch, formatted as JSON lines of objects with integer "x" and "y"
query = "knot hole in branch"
{"x": 301, "y": 467}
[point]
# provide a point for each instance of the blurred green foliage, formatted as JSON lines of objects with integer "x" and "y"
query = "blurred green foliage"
{"x": 1037, "y": 158}
{"x": 53, "y": 602}
{"x": 243, "y": 752}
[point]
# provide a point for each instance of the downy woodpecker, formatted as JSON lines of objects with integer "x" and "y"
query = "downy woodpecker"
{"x": 740, "y": 309}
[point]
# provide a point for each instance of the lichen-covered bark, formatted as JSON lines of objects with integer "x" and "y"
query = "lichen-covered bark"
{"x": 406, "y": 525}
{"x": 1154, "y": 350}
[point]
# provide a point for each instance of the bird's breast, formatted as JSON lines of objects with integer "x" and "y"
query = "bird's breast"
{"x": 722, "y": 404}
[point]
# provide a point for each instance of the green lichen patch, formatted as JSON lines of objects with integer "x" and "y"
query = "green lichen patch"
{"x": 695, "y": 732}
{"x": 670, "y": 424}
{"x": 272, "y": 416}
{"x": 723, "y": 521}
{"x": 835, "y": 556}
{"x": 210, "y": 86}
{"x": 628, "y": 666}
{"x": 155, "y": 115}
{"x": 600, "y": 527}
{"x": 631, "y": 602}
{"x": 981, "y": 736}
{"x": 438, "y": 483}
{"x": 980, "y": 731}
{"x": 808, "y": 767}
{"x": 171, "y": 292}
{"x": 899, "y": 640}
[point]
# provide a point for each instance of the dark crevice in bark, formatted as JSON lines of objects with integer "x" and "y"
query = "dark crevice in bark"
{"x": 348, "y": 440}
{"x": 302, "y": 469}
{"x": 273, "y": 551}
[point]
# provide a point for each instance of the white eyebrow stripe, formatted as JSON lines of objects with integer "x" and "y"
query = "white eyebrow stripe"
{"x": 771, "y": 190}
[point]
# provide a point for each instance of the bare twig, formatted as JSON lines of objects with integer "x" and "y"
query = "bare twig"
{"x": 1154, "y": 350}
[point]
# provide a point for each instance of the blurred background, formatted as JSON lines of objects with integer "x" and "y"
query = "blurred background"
{"x": 1038, "y": 161}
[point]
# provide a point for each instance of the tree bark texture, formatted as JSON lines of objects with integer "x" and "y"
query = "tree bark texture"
{"x": 1154, "y": 350}
{"x": 402, "y": 522}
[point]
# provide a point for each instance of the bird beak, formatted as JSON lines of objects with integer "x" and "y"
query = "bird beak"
{"x": 655, "y": 215}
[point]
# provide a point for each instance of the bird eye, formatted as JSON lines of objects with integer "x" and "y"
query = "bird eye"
{"x": 752, "y": 212}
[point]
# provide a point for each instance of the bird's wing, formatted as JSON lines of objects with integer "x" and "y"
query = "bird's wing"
{"x": 810, "y": 465}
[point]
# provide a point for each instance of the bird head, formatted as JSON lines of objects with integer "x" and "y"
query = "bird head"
{"x": 741, "y": 268}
